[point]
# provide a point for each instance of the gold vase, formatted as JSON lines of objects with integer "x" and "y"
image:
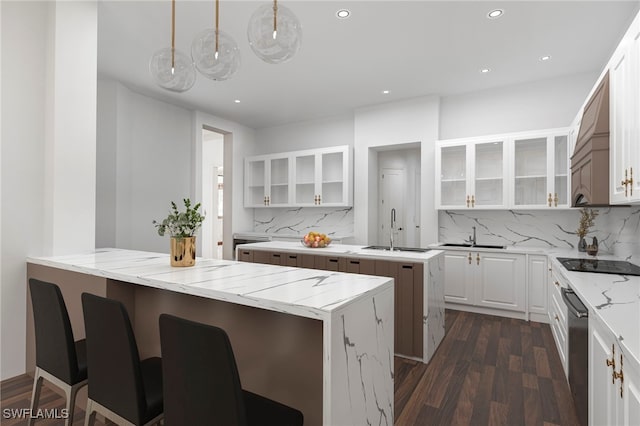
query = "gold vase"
{"x": 183, "y": 251}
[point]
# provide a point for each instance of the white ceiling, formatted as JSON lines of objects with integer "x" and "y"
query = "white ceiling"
{"x": 411, "y": 48}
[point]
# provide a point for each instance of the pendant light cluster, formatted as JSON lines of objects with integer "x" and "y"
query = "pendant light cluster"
{"x": 274, "y": 34}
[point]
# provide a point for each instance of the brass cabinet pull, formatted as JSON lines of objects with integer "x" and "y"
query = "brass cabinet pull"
{"x": 473, "y": 201}
{"x": 625, "y": 182}
{"x": 468, "y": 201}
{"x": 477, "y": 258}
{"x": 319, "y": 199}
{"x": 631, "y": 181}
{"x": 555, "y": 199}
{"x": 265, "y": 200}
{"x": 315, "y": 199}
{"x": 268, "y": 200}
{"x": 556, "y": 317}
{"x": 550, "y": 200}
{"x": 557, "y": 283}
{"x": 619, "y": 375}
{"x": 469, "y": 258}
{"x": 612, "y": 363}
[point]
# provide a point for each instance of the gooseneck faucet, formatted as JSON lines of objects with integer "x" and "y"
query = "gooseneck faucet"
{"x": 393, "y": 227}
{"x": 472, "y": 238}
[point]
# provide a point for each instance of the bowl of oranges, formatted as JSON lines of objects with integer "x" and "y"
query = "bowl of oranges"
{"x": 315, "y": 240}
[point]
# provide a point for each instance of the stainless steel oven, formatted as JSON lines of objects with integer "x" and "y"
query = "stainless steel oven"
{"x": 578, "y": 353}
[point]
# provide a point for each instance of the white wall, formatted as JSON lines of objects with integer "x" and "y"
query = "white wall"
{"x": 398, "y": 123}
{"x": 532, "y": 106}
{"x": 321, "y": 133}
{"x": 48, "y": 173}
{"x": 153, "y": 151}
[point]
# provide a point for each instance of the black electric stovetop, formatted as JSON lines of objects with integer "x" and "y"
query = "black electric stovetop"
{"x": 619, "y": 267}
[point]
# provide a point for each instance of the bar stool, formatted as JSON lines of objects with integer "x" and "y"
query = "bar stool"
{"x": 201, "y": 381}
{"x": 59, "y": 359}
{"x": 121, "y": 387}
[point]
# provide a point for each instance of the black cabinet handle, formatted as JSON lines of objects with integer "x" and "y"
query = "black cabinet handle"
{"x": 246, "y": 252}
{"x": 275, "y": 255}
{"x": 293, "y": 257}
{"x": 333, "y": 260}
{"x": 407, "y": 266}
{"x": 354, "y": 262}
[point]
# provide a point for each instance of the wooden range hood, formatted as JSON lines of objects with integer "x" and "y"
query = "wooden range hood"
{"x": 590, "y": 160}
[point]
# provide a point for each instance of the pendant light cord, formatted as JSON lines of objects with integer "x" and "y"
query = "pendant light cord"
{"x": 217, "y": 20}
{"x": 275, "y": 17}
{"x": 173, "y": 34}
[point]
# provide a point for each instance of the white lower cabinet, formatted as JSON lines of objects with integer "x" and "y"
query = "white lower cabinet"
{"x": 614, "y": 382}
{"x": 537, "y": 286}
{"x": 485, "y": 279}
{"x": 558, "y": 319}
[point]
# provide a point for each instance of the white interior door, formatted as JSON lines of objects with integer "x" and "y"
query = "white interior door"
{"x": 392, "y": 196}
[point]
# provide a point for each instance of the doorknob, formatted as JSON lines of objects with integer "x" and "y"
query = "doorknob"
{"x": 400, "y": 229}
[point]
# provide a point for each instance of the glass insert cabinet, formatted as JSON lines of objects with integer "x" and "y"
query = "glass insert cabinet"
{"x": 310, "y": 178}
{"x": 510, "y": 171}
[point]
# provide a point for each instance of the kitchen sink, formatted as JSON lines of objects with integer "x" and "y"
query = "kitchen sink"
{"x": 388, "y": 248}
{"x": 488, "y": 246}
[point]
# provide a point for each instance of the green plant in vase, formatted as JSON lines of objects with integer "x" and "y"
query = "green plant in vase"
{"x": 182, "y": 227}
{"x": 587, "y": 220}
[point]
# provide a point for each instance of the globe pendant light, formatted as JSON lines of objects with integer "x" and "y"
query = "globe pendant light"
{"x": 274, "y": 33}
{"x": 170, "y": 68}
{"x": 215, "y": 54}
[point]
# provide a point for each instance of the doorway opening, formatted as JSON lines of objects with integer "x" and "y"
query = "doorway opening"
{"x": 212, "y": 193}
{"x": 399, "y": 196}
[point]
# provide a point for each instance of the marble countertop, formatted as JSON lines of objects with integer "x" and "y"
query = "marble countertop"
{"x": 346, "y": 250}
{"x": 613, "y": 298}
{"x": 273, "y": 235}
{"x": 303, "y": 292}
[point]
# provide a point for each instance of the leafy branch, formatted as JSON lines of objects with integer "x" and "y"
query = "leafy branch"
{"x": 181, "y": 224}
{"x": 587, "y": 217}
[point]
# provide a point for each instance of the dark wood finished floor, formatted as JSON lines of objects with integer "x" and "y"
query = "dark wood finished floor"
{"x": 487, "y": 371}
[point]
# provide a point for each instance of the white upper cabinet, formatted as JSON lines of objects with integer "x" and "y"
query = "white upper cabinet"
{"x": 540, "y": 170}
{"x": 311, "y": 178}
{"x": 510, "y": 171}
{"x": 624, "y": 70}
{"x": 471, "y": 174}
{"x": 267, "y": 181}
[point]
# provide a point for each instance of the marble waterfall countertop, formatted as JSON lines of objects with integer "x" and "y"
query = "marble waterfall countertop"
{"x": 346, "y": 250}
{"x": 304, "y": 292}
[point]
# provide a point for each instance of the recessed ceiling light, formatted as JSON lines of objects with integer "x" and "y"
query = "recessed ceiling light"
{"x": 496, "y": 13}
{"x": 385, "y": 92}
{"x": 343, "y": 13}
{"x": 545, "y": 58}
{"x": 485, "y": 70}
{"x": 237, "y": 101}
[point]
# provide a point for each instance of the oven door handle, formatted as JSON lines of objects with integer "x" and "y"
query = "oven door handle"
{"x": 579, "y": 312}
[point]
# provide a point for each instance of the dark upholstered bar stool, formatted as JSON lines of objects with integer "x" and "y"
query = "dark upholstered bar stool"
{"x": 121, "y": 387}
{"x": 59, "y": 359}
{"x": 201, "y": 381}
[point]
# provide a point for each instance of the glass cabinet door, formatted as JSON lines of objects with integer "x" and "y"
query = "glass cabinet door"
{"x": 305, "y": 179}
{"x": 332, "y": 191}
{"x": 530, "y": 172}
{"x": 561, "y": 172}
{"x": 279, "y": 182}
{"x": 489, "y": 175}
{"x": 453, "y": 175}
{"x": 255, "y": 175}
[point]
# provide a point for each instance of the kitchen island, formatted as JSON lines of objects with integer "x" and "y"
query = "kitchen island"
{"x": 418, "y": 289}
{"x": 319, "y": 341}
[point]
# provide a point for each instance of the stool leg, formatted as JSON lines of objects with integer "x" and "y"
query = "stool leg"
{"x": 71, "y": 404}
{"x": 90, "y": 414}
{"x": 35, "y": 394}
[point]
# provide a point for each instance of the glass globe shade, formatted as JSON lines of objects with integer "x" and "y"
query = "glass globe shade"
{"x": 178, "y": 78}
{"x": 216, "y": 67}
{"x": 278, "y": 47}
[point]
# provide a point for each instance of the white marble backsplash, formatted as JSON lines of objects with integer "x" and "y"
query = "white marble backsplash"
{"x": 336, "y": 221}
{"x": 617, "y": 228}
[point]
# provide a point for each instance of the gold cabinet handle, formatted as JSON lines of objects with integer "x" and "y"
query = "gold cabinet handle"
{"x": 555, "y": 199}
{"x": 477, "y": 258}
{"x": 468, "y": 201}
{"x": 473, "y": 201}
{"x": 265, "y": 200}
{"x": 319, "y": 199}
{"x": 557, "y": 283}
{"x": 625, "y": 182}
{"x": 268, "y": 200}
{"x": 315, "y": 199}
{"x": 619, "y": 375}
{"x": 631, "y": 181}
{"x": 612, "y": 363}
{"x": 550, "y": 200}
{"x": 556, "y": 317}
{"x": 469, "y": 258}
